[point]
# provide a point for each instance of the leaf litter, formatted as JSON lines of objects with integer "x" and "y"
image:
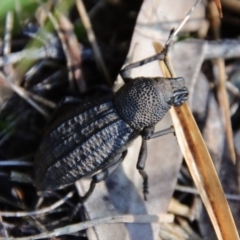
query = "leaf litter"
{"x": 22, "y": 126}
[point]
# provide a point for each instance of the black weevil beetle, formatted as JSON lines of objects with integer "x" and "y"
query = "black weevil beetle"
{"x": 91, "y": 138}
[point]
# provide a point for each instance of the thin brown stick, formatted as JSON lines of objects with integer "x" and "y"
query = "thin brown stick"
{"x": 224, "y": 106}
{"x": 201, "y": 167}
{"x": 61, "y": 37}
{"x": 221, "y": 83}
{"x": 92, "y": 39}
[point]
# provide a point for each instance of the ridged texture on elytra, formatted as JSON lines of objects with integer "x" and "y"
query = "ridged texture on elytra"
{"x": 143, "y": 102}
{"x": 80, "y": 144}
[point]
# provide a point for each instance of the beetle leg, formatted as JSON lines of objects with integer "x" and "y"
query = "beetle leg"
{"x": 168, "y": 67}
{"x": 163, "y": 132}
{"x": 148, "y": 133}
{"x": 80, "y": 208}
{"x": 88, "y": 193}
{"x": 98, "y": 177}
{"x": 141, "y": 165}
{"x": 105, "y": 171}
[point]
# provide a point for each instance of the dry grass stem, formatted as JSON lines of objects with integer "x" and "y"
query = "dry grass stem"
{"x": 63, "y": 42}
{"x": 8, "y": 35}
{"x": 11, "y": 80}
{"x": 183, "y": 22}
{"x": 23, "y": 93}
{"x": 92, "y": 39}
{"x": 196, "y": 192}
{"x": 178, "y": 208}
{"x": 74, "y": 50}
{"x": 4, "y": 230}
{"x": 31, "y": 54}
{"x": 233, "y": 89}
{"x": 185, "y": 225}
{"x": 224, "y": 106}
{"x": 10, "y": 162}
{"x": 28, "y": 96}
{"x": 8, "y": 69}
{"x": 201, "y": 168}
{"x": 161, "y": 218}
{"x": 175, "y": 232}
{"x": 221, "y": 83}
{"x": 38, "y": 212}
{"x": 219, "y": 7}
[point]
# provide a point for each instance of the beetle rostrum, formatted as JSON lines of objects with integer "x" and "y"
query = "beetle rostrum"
{"x": 91, "y": 138}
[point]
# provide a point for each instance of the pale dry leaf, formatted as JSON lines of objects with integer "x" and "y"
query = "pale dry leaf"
{"x": 122, "y": 192}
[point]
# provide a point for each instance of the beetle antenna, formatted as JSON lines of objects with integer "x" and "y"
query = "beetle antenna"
{"x": 175, "y": 32}
{"x": 160, "y": 56}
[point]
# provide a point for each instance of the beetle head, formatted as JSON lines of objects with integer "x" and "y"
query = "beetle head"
{"x": 144, "y": 101}
{"x": 179, "y": 91}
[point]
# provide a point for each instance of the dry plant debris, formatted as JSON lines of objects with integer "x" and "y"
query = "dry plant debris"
{"x": 46, "y": 54}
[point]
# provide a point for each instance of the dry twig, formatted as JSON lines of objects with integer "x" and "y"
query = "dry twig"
{"x": 38, "y": 212}
{"x": 221, "y": 84}
{"x": 192, "y": 190}
{"x": 92, "y": 39}
{"x": 161, "y": 218}
{"x": 201, "y": 167}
